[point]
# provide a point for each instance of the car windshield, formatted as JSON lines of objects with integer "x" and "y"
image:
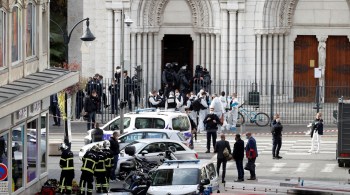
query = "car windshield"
{"x": 185, "y": 176}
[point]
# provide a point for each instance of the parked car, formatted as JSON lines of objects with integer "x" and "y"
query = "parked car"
{"x": 152, "y": 148}
{"x": 150, "y": 119}
{"x": 131, "y": 136}
{"x": 183, "y": 177}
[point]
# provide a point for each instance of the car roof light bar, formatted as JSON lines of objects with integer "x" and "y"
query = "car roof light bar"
{"x": 181, "y": 161}
{"x": 145, "y": 110}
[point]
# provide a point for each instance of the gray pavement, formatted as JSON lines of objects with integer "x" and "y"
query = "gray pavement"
{"x": 296, "y": 162}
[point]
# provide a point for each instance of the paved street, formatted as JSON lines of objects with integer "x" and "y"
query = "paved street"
{"x": 296, "y": 162}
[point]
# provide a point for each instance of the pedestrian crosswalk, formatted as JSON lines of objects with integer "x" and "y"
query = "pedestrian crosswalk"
{"x": 289, "y": 147}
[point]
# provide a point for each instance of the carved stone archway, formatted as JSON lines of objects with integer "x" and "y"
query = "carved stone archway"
{"x": 153, "y": 13}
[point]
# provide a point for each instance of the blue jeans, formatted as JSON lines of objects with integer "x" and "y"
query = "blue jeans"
{"x": 91, "y": 121}
{"x": 115, "y": 161}
{"x": 239, "y": 165}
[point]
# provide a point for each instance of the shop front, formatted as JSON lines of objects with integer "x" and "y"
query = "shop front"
{"x": 24, "y": 130}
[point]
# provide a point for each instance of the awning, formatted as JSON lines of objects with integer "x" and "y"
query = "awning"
{"x": 33, "y": 88}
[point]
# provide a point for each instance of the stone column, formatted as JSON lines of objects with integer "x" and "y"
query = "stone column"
{"x": 138, "y": 49}
{"x": 269, "y": 59}
{"x": 110, "y": 65}
{"x": 232, "y": 66}
{"x": 264, "y": 69}
{"x": 197, "y": 50}
{"x": 212, "y": 55}
{"x": 322, "y": 64}
{"x": 224, "y": 48}
{"x": 156, "y": 64}
{"x": 144, "y": 62}
{"x": 202, "y": 49}
{"x": 117, "y": 37}
{"x": 258, "y": 59}
{"x": 133, "y": 54}
{"x": 217, "y": 59}
{"x": 150, "y": 61}
{"x": 207, "y": 51}
{"x": 275, "y": 58}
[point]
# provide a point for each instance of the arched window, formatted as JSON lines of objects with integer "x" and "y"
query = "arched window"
{"x": 30, "y": 30}
{"x": 16, "y": 34}
{"x": 3, "y": 51}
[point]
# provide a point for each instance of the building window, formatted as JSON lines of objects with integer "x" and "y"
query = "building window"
{"x": 31, "y": 30}
{"x": 2, "y": 39}
{"x": 43, "y": 143}
{"x": 32, "y": 149}
{"x": 16, "y": 34}
{"x": 17, "y": 157}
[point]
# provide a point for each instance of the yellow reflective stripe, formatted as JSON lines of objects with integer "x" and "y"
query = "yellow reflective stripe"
{"x": 68, "y": 168}
{"x": 100, "y": 170}
{"x": 87, "y": 169}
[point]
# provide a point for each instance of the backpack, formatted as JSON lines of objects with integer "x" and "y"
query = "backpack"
{"x": 196, "y": 105}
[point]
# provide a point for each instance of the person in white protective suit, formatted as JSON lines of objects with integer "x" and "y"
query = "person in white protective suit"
{"x": 218, "y": 108}
{"x": 233, "y": 113}
{"x": 202, "y": 113}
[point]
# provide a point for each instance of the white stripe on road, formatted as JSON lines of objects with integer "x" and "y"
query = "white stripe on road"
{"x": 303, "y": 167}
{"x": 328, "y": 168}
{"x": 277, "y": 167}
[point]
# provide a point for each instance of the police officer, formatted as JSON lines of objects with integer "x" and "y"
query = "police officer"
{"x": 101, "y": 173}
{"x": 168, "y": 79}
{"x": 109, "y": 162}
{"x": 67, "y": 166}
{"x": 87, "y": 171}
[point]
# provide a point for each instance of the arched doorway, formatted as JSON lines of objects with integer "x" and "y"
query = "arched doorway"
{"x": 179, "y": 49}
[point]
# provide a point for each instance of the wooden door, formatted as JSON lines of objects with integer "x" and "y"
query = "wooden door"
{"x": 337, "y": 72}
{"x": 305, "y": 60}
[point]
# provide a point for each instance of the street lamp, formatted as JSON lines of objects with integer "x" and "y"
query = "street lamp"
{"x": 87, "y": 36}
{"x": 122, "y": 104}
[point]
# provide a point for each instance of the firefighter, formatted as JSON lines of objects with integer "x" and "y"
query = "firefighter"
{"x": 87, "y": 171}
{"x": 109, "y": 162}
{"x": 101, "y": 173}
{"x": 67, "y": 166}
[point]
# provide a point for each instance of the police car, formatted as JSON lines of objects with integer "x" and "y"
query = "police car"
{"x": 146, "y": 119}
{"x": 132, "y": 136}
{"x": 183, "y": 177}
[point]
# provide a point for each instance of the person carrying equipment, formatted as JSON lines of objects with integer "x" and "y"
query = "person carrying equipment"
{"x": 87, "y": 171}
{"x": 100, "y": 173}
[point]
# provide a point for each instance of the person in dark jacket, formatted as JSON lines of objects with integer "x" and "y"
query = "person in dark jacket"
{"x": 67, "y": 166}
{"x": 238, "y": 155}
{"x": 91, "y": 105}
{"x": 251, "y": 154}
{"x": 219, "y": 149}
{"x": 316, "y": 132}
{"x": 211, "y": 123}
{"x": 276, "y": 131}
{"x": 55, "y": 110}
{"x": 113, "y": 91}
{"x": 115, "y": 150}
{"x": 97, "y": 134}
{"x": 127, "y": 88}
{"x": 87, "y": 171}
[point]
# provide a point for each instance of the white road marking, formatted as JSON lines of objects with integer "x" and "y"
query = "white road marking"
{"x": 328, "y": 168}
{"x": 303, "y": 167}
{"x": 277, "y": 167}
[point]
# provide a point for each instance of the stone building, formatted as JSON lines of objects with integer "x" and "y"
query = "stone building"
{"x": 26, "y": 83}
{"x": 263, "y": 41}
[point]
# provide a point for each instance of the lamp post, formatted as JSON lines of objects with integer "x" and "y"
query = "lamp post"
{"x": 122, "y": 103}
{"x": 87, "y": 36}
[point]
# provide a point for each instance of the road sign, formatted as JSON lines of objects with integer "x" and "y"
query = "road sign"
{"x": 3, "y": 171}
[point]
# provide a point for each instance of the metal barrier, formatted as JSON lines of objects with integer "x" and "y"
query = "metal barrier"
{"x": 296, "y": 103}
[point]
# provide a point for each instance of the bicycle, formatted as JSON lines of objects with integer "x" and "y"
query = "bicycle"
{"x": 259, "y": 118}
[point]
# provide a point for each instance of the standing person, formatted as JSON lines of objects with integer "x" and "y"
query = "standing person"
{"x": 127, "y": 89}
{"x": 233, "y": 114}
{"x": 238, "y": 155}
{"x": 91, "y": 105}
{"x": 114, "y": 97}
{"x": 276, "y": 131}
{"x": 153, "y": 102}
{"x": 316, "y": 132}
{"x": 170, "y": 102}
{"x": 87, "y": 171}
{"x": 251, "y": 151}
{"x": 211, "y": 122}
{"x": 193, "y": 128}
{"x": 110, "y": 158}
{"x": 79, "y": 103}
{"x": 136, "y": 86}
{"x": 115, "y": 150}
{"x": 179, "y": 100}
{"x": 192, "y": 113}
{"x": 202, "y": 112}
{"x": 219, "y": 149}
{"x": 97, "y": 134}
{"x": 67, "y": 166}
{"x": 168, "y": 79}
{"x": 100, "y": 172}
{"x": 55, "y": 110}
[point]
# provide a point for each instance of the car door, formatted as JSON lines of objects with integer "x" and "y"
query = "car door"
{"x": 151, "y": 135}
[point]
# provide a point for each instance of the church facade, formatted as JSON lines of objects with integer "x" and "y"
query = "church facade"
{"x": 263, "y": 41}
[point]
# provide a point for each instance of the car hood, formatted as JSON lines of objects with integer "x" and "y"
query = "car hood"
{"x": 171, "y": 190}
